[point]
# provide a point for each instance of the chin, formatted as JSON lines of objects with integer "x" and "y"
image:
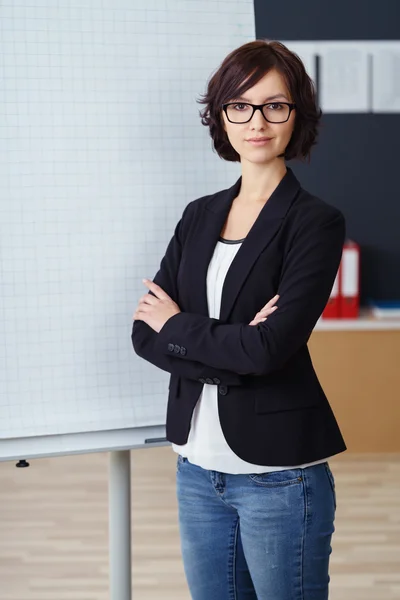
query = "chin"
{"x": 260, "y": 158}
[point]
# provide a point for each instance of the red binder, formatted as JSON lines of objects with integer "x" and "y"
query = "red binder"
{"x": 332, "y": 309}
{"x": 350, "y": 281}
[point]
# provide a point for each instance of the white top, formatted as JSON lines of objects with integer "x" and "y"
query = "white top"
{"x": 206, "y": 445}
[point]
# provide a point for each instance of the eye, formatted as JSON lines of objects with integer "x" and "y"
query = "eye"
{"x": 238, "y": 105}
{"x": 275, "y": 106}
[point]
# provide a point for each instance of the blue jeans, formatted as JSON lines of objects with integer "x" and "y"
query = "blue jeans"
{"x": 258, "y": 536}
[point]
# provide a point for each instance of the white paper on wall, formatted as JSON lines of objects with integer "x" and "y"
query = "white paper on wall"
{"x": 359, "y": 76}
{"x": 386, "y": 77}
{"x": 307, "y": 53}
{"x": 344, "y": 85}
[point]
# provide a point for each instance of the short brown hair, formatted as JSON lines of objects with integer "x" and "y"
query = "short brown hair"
{"x": 252, "y": 61}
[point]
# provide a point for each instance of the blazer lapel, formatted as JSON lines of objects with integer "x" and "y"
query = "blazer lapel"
{"x": 209, "y": 229}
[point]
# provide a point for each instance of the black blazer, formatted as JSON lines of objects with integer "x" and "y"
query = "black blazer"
{"x": 272, "y": 408}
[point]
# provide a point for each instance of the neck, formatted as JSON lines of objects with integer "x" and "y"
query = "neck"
{"x": 260, "y": 180}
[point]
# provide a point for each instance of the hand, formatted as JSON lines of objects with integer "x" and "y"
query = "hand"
{"x": 267, "y": 310}
{"x": 155, "y": 310}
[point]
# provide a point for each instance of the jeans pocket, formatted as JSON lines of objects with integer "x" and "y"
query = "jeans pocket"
{"x": 331, "y": 480}
{"x": 277, "y": 478}
{"x": 180, "y": 460}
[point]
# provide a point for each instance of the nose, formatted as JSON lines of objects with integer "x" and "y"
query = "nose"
{"x": 257, "y": 120}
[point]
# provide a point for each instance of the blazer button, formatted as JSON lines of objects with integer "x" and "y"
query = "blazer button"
{"x": 223, "y": 390}
{"x": 202, "y": 380}
{"x": 177, "y": 348}
{"x": 209, "y": 380}
{"x": 183, "y": 351}
{"x": 171, "y": 347}
{"x": 217, "y": 381}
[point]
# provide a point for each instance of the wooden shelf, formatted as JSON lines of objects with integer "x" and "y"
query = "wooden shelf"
{"x": 365, "y": 322}
{"x": 359, "y": 371}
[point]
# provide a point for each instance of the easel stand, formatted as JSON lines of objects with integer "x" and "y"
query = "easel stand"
{"x": 120, "y": 525}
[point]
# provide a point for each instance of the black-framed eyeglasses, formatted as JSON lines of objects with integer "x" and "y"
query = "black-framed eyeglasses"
{"x": 273, "y": 112}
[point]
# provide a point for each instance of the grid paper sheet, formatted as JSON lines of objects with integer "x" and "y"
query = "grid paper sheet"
{"x": 102, "y": 148}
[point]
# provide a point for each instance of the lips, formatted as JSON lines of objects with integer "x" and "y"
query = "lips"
{"x": 259, "y": 142}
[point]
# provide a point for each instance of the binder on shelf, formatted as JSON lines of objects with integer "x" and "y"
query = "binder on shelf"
{"x": 349, "y": 298}
{"x": 385, "y": 309}
{"x": 332, "y": 308}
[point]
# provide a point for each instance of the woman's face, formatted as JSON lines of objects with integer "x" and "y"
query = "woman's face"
{"x": 271, "y": 88}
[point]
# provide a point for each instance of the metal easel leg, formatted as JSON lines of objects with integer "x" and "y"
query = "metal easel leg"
{"x": 120, "y": 525}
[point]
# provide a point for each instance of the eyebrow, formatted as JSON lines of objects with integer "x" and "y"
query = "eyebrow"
{"x": 266, "y": 99}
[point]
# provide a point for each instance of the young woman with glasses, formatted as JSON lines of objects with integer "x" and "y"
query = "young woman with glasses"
{"x": 242, "y": 284}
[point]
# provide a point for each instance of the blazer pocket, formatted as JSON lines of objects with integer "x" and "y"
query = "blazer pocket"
{"x": 286, "y": 395}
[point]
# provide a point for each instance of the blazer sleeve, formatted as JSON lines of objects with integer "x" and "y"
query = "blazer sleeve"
{"x": 306, "y": 282}
{"x": 144, "y": 338}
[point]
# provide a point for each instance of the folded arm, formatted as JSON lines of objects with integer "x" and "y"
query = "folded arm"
{"x": 144, "y": 338}
{"x": 308, "y": 274}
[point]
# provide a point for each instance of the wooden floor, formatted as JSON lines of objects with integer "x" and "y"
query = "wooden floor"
{"x": 54, "y": 530}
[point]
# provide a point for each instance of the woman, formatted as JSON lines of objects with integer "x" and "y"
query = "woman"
{"x": 244, "y": 279}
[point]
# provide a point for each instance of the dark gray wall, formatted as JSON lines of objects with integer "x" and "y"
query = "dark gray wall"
{"x": 355, "y": 165}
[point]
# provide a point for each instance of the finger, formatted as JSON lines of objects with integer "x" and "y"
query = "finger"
{"x": 156, "y": 289}
{"x": 271, "y": 302}
{"x": 267, "y": 311}
{"x": 143, "y": 309}
{"x": 257, "y": 321}
{"x": 148, "y": 299}
{"x": 139, "y": 315}
{"x": 258, "y": 318}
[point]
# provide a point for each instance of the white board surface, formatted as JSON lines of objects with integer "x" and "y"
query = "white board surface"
{"x": 102, "y": 148}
